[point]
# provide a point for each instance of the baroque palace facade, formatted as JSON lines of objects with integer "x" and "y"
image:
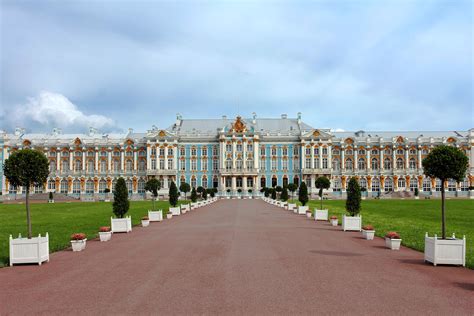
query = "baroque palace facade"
{"x": 238, "y": 156}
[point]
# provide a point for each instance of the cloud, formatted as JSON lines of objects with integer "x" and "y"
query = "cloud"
{"x": 49, "y": 109}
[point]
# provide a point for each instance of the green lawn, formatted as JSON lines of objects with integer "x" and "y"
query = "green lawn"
{"x": 61, "y": 220}
{"x": 413, "y": 218}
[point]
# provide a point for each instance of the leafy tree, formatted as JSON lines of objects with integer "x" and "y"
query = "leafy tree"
{"x": 353, "y": 197}
{"x": 211, "y": 192}
{"x": 416, "y": 192}
{"x": 284, "y": 195}
{"x": 250, "y": 191}
{"x": 26, "y": 168}
{"x": 193, "y": 195}
{"x": 185, "y": 188}
{"x": 262, "y": 190}
{"x": 152, "y": 186}
{"x": 173, "y": 194}
{"x": 444, "y": 163}
{"x": 199, "y": 190}
{"x": 274, "y": 194}
{"x": 204, "y": 194}
{"x": 322, "y": 183}
{"x": 292, "y": 187}
{"x": 121, "y": 203}
{"x": 51, "y": 197}
{"x": 303, "y": 193}
{"x": 278, "y": 188}
{"x": 267, "y": 192}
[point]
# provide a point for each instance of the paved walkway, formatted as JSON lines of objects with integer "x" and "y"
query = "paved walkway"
{"x": 237, "y": 257}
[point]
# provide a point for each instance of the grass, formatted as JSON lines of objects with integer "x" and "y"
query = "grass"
{"x": 61, "y": 220}
{"x": 413, "y": 218}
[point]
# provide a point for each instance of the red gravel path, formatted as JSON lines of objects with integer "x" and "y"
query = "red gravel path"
{"x": 237, "y": 257}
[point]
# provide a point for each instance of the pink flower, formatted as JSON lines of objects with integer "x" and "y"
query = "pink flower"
{"x": 392, "y": 235}
{"x": 78, "y": 236}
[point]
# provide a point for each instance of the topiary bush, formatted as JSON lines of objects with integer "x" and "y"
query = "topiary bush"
{"x": 353, "y": 197}
{"x": 121, "y": 203}
{"x": 173, "y": 194}
{"x": 303, "y": 194}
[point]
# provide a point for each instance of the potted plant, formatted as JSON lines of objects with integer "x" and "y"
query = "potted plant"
{"x": 292, "y": 187}
{"x": 354, "y": 221}
{"x": 368, "y": 232}
{"x": 308, "y": 213}
{"x": 26, "y": 168}
{"x": 303, "y": 198}
{"x": 228, "y": 193}
{"x": 105, "y": 233}
{"x": 284, "y": 194}
{"x": 392, "y": 240}
{"x": 153, "y": 186}
{"x": 120, "y": 207}
{"x": 204, "y": 195}
{"x": 321, "y": 183}
{"x": 107, "y": 198}
{"x": 51, "y": 198}
{"x": 416, "y": 194}
{"x": 169, "y": 215}
{"x": 173, "y": 199}
{"x": 145, "y": 221}
{"x": 445, "y": 162}
{"x": 334, "y": 220}
{"x": 184, "y": 187}
{"x": 78, "y": 241}
{"x": 239, "y": 190}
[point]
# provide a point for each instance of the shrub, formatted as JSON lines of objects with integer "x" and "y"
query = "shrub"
{"x": 152, "y": 186}
{"x": 322, "y": 183}
{"x": 51, "y": 197}
{"x": 250, "y": 191}
{"x": 284, "y": 195}
{"x": 363, "y": 189}
{"x": 204, "y": 194}
{"x": 278, "y": 188}
{"x": 292, "y": 187}
{"x": 392, "y": 235}
{"x": 193, "y": 195}
{"x": 173, "y": 194}
{"x": 228, "y": 190}
{"x": 416, "y": 192}
{"x": 106, "y": 190}
{"x": 121, "y": 203}
{"x": 368, "y": 227}
{"x": 185, "y": 188}
{"x": 104, "y": 229}
{"x": 239, "y": 190}
{"x": 274, "y": 194}
{"x": 78, "y": 236}
{"x": 303, "y": 194}
{"x": 353, "y": 197}
{"x": 262, "y": 190}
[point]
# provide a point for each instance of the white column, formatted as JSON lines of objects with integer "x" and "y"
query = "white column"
{"x": 244, "y": 184}
{"x": 419, "y": 158}
{"x": 381, "y": 161}
{"x": 329, "y": 157}
{"x": 369, "y": 163}
{"x": 312, "y": 157}
{"x": 109, "y": 160}
{"x": 234, "y": 183}
{"x": 394, "y": 157}
{"x": 221, "y": 153}
{"x": 255, "y": 155}
{"x": 58, "y": 160}
{"x": 96, "y": 159}
{"x": 302, "y": 156}
{"x": 356, "y": 165}
{"x": 175, "y": 158}
{"x": 406, "y": 158}
{"x": 166, "y": 158}
{"x": 244, "y": 158}
{"x": 343, "y": 163}
{"x": 135, "y": 160}
{"x": 234, "y": 149}
{"x": 122, "y": 167}
{"x": 256, "y": 184}
{"x": 148, "y": 159}
{"x": 83, "y": 161}
{"x": 320, "y": 157}
{"x": 70, "y": 160}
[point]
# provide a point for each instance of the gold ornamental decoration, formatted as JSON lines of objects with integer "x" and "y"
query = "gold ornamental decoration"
{"x": 238, "y": 126}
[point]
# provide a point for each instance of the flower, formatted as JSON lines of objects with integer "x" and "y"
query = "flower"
{"x": 78, "y": 236}
{"x": 333, "y": 217}
{"x": 104, "y": 229}
{"x": 392, "y": 235}
{"x": 368, "y": 227}
{"x": 144, "y": 218}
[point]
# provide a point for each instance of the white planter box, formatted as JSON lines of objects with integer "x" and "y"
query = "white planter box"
{"x": 445, "y": 251}
{"x": 334, "y": 222}
{"x": 78, "y": 245}
{"x": 121, "y": 225}
{"x": 105, "y": 236}
{"x": 107, "y": 200}
{"x": 302, "y": 210}
{"x": 393, "y": 244}
{"x": 50, "y": 201}
{"x": 320, "y": 215}
{"x": 169, "y": 216}
{"x": 368, "y": 234}
{"x": 175, "y": 211}
{"x": 34, "y": 250}
{"x": 155, "y": 216}
{"x": 353, "y": 223}
{"x": 308, "y": 214}
{"x": 194, "y": 205}
{"x": 145, "y": 222}
{"x": 417, "y": 197}
{"x": 291, "y": 206}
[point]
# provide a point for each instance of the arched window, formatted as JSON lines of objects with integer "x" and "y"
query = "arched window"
{"x": 400, "y": 164}
{"x": 426, "y": 184}
{"x": 375, "y": 164}
{"x": 451, "y": 185}
{"x": 238, "y": 164}
{"x": 387, "y": 164}
{"x": 388, "y": 185}
{"x": 141, "y": 165}
{"x": 375, "y": 184}
{"x": 89, "y": 187}
{"x": 438, "y": 185}
{"x": 90, "y": 166}
{"x": 336, "y": 164}
{"x": 103, "y": 166}
{"x": 129, "y": 185}
{"x": 363, "y": 183}
{"x": 263, "y": 182}
{"x": 465, "y": 185}
{"x": 63, "y": 188}
{"x": 308, "y": 181}
{"x": 336, "y": 185}
{"x": 102, "y": 185}
{"x": 228, "y": 164}
{"x": 412, "y": 164}
{"x": 65, "y": 165}
{"x": 204, "y": 182}
{"x": 129, "y": 165}
{"x": 413, "y": 184}
{"x": 51, "y": 185}
{"x": 401, "y": 183}
{"x": 361, "y": 164}
{"x": 76, "y": 187}
{"x": 349, "y": 165}
{"x": 193, "y": 182}
{"x": 141, "y": 186}
{"x": 249, "y": 163}
{"x": 77, "y": 165}
{"x": 215, "y": 182}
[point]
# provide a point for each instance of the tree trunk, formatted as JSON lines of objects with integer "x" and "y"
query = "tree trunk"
{"x": 443, "y": 215}
{"x": 28, "y": 218}
{"x": 321, "y": 197}
{"x": 154, "y": 198}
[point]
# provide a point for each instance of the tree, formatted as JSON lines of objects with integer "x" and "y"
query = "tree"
{"x": 121, "y": 203}
{"x": 284, "y": 194}
{"x": 26, "y": 168}
{"x": 152, "y": 186}
{"x": 445, "y": 163}
{"x": 353, "y": 197}
{"x": 173, "y": 194}
{"x": 303, "y": 193}
{"x": 274, "y": 194}
{"x": 262, "y": 190}
{"x": 211, "y": 192}
{"x": 185, "y": 188}
{"x": 199, "y": 190}
{"x": 204, "y": 194}
{"x": 193, "y": 195}
{"x": 267, "y": 192}
{"x": 292, "y": 187}
{"x": 322, "y": 183}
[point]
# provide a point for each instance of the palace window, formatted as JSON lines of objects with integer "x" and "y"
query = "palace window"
{"x": 129, "y": 185}
{"x": 142, "y": 153}
{"x": 296, "y": 164}
{"x": 76, "y": 187}
{"x": 413, "y": 184}
{"x": 38, "y": 188}
{"x": 465, "y": 185}
{"x": 129, "y": 153}
{"x": 249, "y": 182}
{"x": 401, "y": 183}
{"x": 153, "y": 164}
{"x": 426, "y": 184}
{"x": 263, "y": 164}
{"x": 193, "y": 151}
{"x": 336, "y": 185}
{"x": 316, "y": 163}
{"x": 239, "y": 164}
{"x": 388, "y": 151}
{"x": 65, "y": 165}
{"x": 349, "y": 165}
{"x": 249, "y": 147}
{"x": 361, "y": 164}
{"x": 295, "y": 151}
{"x": 387, "y": 164}
{"x": 153, "y": 151}
{"x": 141, "y": 165}
{"x": 64, "y": 153}
{"x": 451, "y": 185}
{"x": 375, "y": 164}
{"x": 129, "y": 166}
{"x": 262, "y": 151}
{"x": 215, "y": 165}
{"x": 388, "y": 185}
{"x": 325, "y": 163}
{"x": 103, "y": 153}
{"x": 204, "y": 182}
{"x": 77, "y": 153}
{"x": 51, "y": 185}
{"x": 361, "y": 152}
{"x": 116, "y": 165}
{"x": 204, "y": 151}
{"x": 90, "y": 166}
{"x": 363, "y": 183}
{"x": 375, "y": 185}
{"x": 424, "y": 151}
{"x": 316, "y": 150}
{"x": 228, "y": 148}
{"x": 400, "y": 163}
{"x": 102, "y": 186}
{"x": 52, "y": 166}
{"x": 162, "y": 151}
{"x": 336, "y": 164}
{"x": 325, "y": 150}
{"x": 204, "y": 165}
{"x": 239, "y": 147}
{"x": 285, "y": 151}
{"x": 249, "y": 164}
{"x": 228, "y": 164}
{"x": 412, "y": 164}
{"x": 400, "y": 151}
{"x": 170, "y": 163}
{"x": 117, "y": 153}
{"x": 284, "y": 165}
{"x": 214, "y": 151}
{"x": 274, "y": 151}
{"x": 308, "y": 163}
{"x": 193, "y": 182}
{"x": 308, "y": 151}
{"x": 141, "y": 186}
{"x": 308, "y": 181}
{"x": 412, "y": 151}
{"x": 274, "y": 182}
{"x": 170, "y": 151}
{"x": 336, "y": 151}
{"x": 375, "y": 152}
{"x": 63, "y": 188}
{"x": 193, "y": 164}
{"x": 182, "y": 151}
{"x": 274, "y": 164}
{"x": 349, "y": 152}
{"x": 162, "y": 164}
{"x": 103, "y": 166}
{"x": 438, "y": 185}
{"x": 12, "y": 189}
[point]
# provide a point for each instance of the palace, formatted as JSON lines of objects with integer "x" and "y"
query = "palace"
{"x": 238, "y": 157}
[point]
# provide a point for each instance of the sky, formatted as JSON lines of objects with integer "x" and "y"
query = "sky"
{"x": 346, "y": 65}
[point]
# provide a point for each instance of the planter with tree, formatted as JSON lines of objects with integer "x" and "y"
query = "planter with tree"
{"x": 193, "y": 199}
{"x": 78, "y": 241}
{"x": 368, "y": 232}
{"x": 417, "y": 192}
{"x": 321, "y": 183}
{"x": 292, "y": 187}
{"x": 145, "y": 221}
{"x": 184, "y": 188}
{"x": 445, "y": 163}
{"x": 173, "y": 199}
{"x": 120, "y": 206}
{"x": 105, "y": 234}
{"x": 153, "y": 186}
{"x": 228, "y": 193}
{"x": 334, "y": 220}
{"x": 393, "y": 240}
{"x": 27, "y": 168}
{"x": 250, "y": 193}
{"x": 274, "y": 194}
{"x": 107, "y": 197}
{"x": 354, "y": 221}
{"x": 303, "y": 198}
{"x": 204, "y": 195}
{"x": 51, "y": 198}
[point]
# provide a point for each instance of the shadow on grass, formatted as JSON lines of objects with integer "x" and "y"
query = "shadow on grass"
{"x": 336, "y": 253}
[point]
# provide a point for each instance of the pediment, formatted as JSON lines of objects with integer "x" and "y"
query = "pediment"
{"x": 317, "y": 134}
